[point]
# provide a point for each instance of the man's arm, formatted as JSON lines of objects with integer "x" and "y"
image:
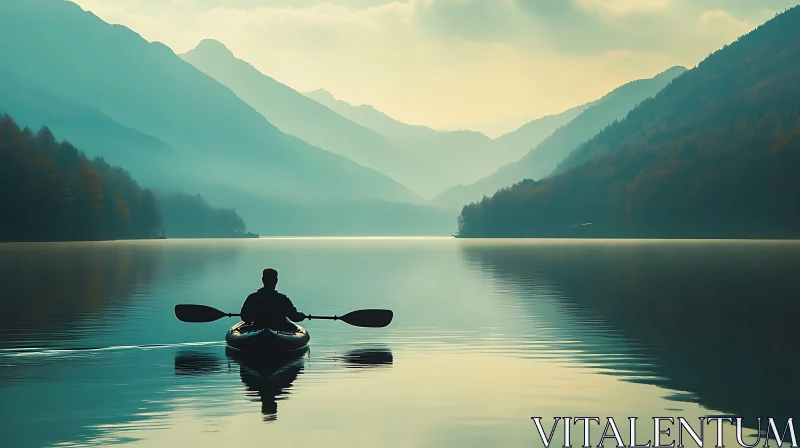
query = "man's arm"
{"x": 290, "y": 311}
{"x": 248, "y": 312}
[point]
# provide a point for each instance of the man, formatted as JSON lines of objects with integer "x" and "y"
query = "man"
{"x": 269, "y": 308}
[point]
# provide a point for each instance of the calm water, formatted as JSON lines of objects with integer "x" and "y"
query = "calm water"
{"x": 486, "y": 335}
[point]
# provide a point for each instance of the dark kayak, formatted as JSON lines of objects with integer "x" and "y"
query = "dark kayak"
{"x": 266, "y": 341}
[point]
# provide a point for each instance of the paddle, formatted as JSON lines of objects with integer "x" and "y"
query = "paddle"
{"x": 199, "y": 313}
{"x": 360, "y": 318}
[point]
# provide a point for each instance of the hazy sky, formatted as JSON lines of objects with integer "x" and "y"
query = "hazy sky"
{"x": 451, "y": 62}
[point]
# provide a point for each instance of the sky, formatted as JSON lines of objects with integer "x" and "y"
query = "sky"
{"x": 487, "y": 65}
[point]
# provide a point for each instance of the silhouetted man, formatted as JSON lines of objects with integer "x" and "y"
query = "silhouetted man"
{"x": 269, "y": 308}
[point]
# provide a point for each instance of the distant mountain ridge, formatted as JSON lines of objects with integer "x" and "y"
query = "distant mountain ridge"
{"x": 222, "y": 147}
{"x": 147, "y": 87}
{"x": 458, "y": 155}
{"x": 534, "y": 132}
{"x": 715, "y": 154}
{"x": 544, "y": 158}
{"x": 464, "y": 156}
{"x": 34, "y": 105}
{"x": 298, "y": 115}
{"x": 370, "y": 117}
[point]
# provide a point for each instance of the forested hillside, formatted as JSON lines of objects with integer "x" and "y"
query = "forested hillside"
{"x": 713, "y": 155}
{"x": 544, "y": 157}
{"x": 51, "y": 191}
{"x": 191, "y": 216}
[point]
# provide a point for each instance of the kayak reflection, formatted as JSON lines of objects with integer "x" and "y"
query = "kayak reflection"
{"x": 268, "y": 380}
{"x": 367, "y": 357}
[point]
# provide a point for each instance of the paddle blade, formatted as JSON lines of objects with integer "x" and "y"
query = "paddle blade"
{"x": 197, "y": 313}
{"x": 368, "y": 318}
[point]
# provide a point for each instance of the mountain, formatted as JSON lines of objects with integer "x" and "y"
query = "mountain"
{"x": 493, "y": 128}
{"x": 527, "y": 136}
{"x": 33, "y": 105}
{"x": 715, "y": 154}
{"x": 462, "y": 156}
{"x": 372, "y": 118}
{"x": 543, "y": 159}
{"x": 220, "y": 141}
{"x": 54, "y": 192}
{"x": 298, "y": 115}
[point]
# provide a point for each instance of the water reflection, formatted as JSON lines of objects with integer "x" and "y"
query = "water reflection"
{"x": 193, "y": 362}
{"x": 268, "y": 380}
{"x": 367, "y": 357}
{"x": 488, "y": 334}
{"x": 46, "y": 289}
{"x": 55, "y": 294}
{"x": 717, "y": 321}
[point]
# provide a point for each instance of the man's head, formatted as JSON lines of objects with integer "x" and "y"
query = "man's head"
{"x": 269, "y": 277}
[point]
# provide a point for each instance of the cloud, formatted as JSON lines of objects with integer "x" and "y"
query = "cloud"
{"x": 623, "y": 7}
{"x": 720, "y": 22}
{"x": 444, "y": 61}
{"x": 157, "y": 6}
{"x": 589, "y": 27}
{"x": 482, "y": 20}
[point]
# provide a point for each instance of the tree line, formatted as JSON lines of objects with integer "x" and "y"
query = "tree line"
{"x": 191, "y": 216}
{"x": 51, "y": 191}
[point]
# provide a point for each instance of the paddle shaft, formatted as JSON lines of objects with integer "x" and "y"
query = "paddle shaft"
{"x": 361, "y": 318}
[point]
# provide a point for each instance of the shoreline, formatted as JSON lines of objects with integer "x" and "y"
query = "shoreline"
{"x": 248, "y": 235}
{"x": 484, "y": 240}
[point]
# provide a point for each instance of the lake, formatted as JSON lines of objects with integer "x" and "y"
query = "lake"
{"x": 486, "y": 335}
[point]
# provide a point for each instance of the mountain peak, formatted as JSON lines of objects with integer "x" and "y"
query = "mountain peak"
{"x": 213, "y": 47}
{"x": 320, "y": 94}
{"x": 671, "y": 72}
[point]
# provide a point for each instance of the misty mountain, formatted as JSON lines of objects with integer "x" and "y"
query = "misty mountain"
{"x": 219, "y": 140}
{"x": 298, "y": 115}
{"x": 463, "y": 156}
{"x": 372, "y": 118}
{"x": 715, "y": 154}
{"x": 460, "y": 156}
{"x": 527, "y": 136}
{"x": 544, "y": 158}
{"x": 33, "y": 105}
{"x": 52, "y": 191}
{"x": 493, "y": 128}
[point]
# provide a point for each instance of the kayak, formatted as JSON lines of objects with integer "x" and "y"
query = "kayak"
{"x": 266, "y": 341}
